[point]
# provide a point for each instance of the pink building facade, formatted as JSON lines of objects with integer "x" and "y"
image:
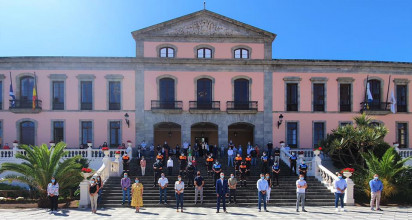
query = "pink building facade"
{"x": 200, "y": 77}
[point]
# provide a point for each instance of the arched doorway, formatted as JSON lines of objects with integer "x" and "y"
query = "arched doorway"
{"x": 204, "y": 132}
{"x": 241, "y": 133}
{"x": 27, "y": 133}
{"x": 167, "y": 131}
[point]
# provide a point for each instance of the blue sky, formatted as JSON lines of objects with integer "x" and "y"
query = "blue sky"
{"x": 315, "y": 29}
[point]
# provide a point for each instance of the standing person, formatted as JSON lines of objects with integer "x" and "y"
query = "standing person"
{"x": 217, "y": 169}
{"x": 221, "y": 192}
{"x": 179, "y": 190}
{"x": 248, "y": 162}
{"x": 125, "y": 183}
{"x": 238, "y": 161}
{"x": 93, "y": 189}
{"x": 253, "y": 154}
{"x": 265, "y": 162}
{"x": 376, "y": 190}
{"x": 177, "y": 151}
{"x": 277, "y": 154}
{"x": 126, "y": 161}
{"x": 143, "y": 165}
{"x": 275, "y": 174}
{"x": 240, "y": 150}
{"x": 190, "y": 153}
{"x": 270, "y": 149}
{"x": 157, "y": 170}
{"x": 292, "y": 160}
{"x": 129, "y": 150}
{"x": 206, "y": 149}
{"x": 190, "y": 171}
{"x": 209, "y": 165}
{"x": 143, "y": 145}
{"x": 222, "y": 151}
{"x": 185, "y": 147}
{"x": 151, "y": 149}
{"x": 170, "y": 166}
{"x": 267, "y": 177}
{"x": 232, "y": 181}
{"x": 163, "y": 182}
{"x": 340, "y": 186}
{"x": 249, "y": 148}
{"x": 262, "y": 186}
{"x": 53, "y": 194}
{"x": 257, "y": 151}
{"x": 137, "y": 194}
{"x": 230, "y": 154}
{"x": 183, "y": 164}
{"x": 215, "y": 150}
{"x": 99, "y": 192}
{"x": 243, "y": 171}
{"x": 196, "y": 149}
{"x": 303, "y": 169}
{"x": 199, "y": 183}
{"x": 160, "y": 157}
{"x": 301, "y": 186}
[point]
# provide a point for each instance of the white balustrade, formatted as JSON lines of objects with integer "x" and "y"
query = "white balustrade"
{"x": 404, "y": 153}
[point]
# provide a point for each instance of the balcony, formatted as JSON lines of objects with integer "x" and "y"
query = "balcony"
{"x": 58, "y": 105}
{"x": 249, "y": 107}
{"x": 376, "y": 108}
{"x": 114, "y": 106}
{"x": 86, "y": 106}
{"x": 166, "y": 106}
{"x": 25, "y": 106}
{"x": 204, "y": 107}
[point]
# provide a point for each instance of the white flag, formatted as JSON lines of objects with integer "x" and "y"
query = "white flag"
{"x": 393, "y": 103}
{"x": 368, "y": 91}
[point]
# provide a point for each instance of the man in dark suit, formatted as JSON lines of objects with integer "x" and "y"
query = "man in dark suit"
{"x": 221, "y": 192}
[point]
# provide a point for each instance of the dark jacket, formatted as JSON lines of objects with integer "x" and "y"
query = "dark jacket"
{"x": 221, "y": 189}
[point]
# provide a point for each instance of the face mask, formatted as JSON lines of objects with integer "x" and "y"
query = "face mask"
{"x": 276, "y": 164}
{"x": 340, "y": 177}
{"x": 98, "y": 178}
{"x": 136, "y": 181}
{"x": 301, "y": 178}
{"x": 163, "y": 177}
{"x": 262, "y": 178}
{"x": 303, "y": 162}
{"x": 232, "y": 177}
{"x": 53, "y": 180}
{"x": 180, "y": 179}
{"x": 222, "y": 176}
{"x": 376, "y": 178}
{"x": 125, "y": 176}
{"x": 293, "y": 154}
{"x": 92, "y": 182}
{"x": 267, "y": 177}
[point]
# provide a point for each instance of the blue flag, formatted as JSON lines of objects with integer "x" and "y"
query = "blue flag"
{"x": 11, "y": 93}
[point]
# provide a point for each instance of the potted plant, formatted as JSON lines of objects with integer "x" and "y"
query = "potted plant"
{"x": 395, "y": 145}
{"x": 89, "y": 143}
{"x": 129, "y": 143}
{"x": 51, "y": 143}
{"x": 86, "y": 172}
{"x": 117, "y": 155}
{"x": 317, "y": 151}
{"x": 15, "y": 143}
{"x": 106, "y": 151}
{"x": 347, "y": 172}
{"x": 282, "y": 144}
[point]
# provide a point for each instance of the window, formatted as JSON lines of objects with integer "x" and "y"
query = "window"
{"x": 318, "y": 97}
{"x": 375, "y": 88}
{"x": 241, "y": 53}
{"x": 241, "y": 95}
{"x": 115, "y": 136}
{"x": 167, "y": 93}
{"x": 114, "y": 95}
{"x": 345, "y": 97}
{"x": 58, "y": 95}
{"x": 402, "y": 134}
{"x": 375, "y": 124}
{"x": 204, "y": 93}
{"x": 27, "y": 133}
{"x": 205, "y": 53}
{"x": 344, "y": 123}
{"x": 26, "y": 91}
{"x": 292, "y": 97}
{"x": 292, "y": 134}
{"x": 58, "y": 131}
{"x": 1, "y": 134}
{"x": 401, "y": 98}
{"x": 167, "y": 52}
{"x": 86, "y": 95}
{"x": 87, "y": 132}
{"x": 318, "y": 132}
{"x": 1, "y": 95}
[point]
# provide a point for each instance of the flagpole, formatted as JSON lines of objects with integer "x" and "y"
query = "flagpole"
{"x": 387, "y": 94}
{"x": 366, "y": 89}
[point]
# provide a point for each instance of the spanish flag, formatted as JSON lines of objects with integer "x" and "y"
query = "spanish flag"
{"x": 34, "y": 92}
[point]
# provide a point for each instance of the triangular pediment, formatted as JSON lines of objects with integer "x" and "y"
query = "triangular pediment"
{"x": 203, "y": 23}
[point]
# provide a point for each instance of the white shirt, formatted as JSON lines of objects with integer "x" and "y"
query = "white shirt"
{"x": 301, "y": 183}
{"x": 262, "y": 185}
{"x": 185, "y": 145}
{"x": 170, "y": 163}
{"x": 163, "y": 181}
{"x": 230, "y": 152}
{"x": 128, "y": 150}
{"x": 180, "y": 186}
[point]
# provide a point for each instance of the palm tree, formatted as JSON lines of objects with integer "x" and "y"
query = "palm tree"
{"x": 40, "y": 164}
{"x": 388, "y": 168}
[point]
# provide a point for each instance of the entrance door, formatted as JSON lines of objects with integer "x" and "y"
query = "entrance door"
{"x": 204, "y": 93}
{"x": 241, "y": 94}
{"x": 167, "y": 93}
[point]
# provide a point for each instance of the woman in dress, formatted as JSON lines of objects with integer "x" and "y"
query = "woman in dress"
{"x": 137, "y": 194}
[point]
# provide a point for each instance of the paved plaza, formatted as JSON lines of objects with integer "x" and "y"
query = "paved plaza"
{"x": 209, "y": 213}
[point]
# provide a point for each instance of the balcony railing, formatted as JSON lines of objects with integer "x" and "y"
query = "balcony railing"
{"x": 234, "y": 105}
{"x": 157, "y": 104}
{"x": 375, "y": 106}
{"x": 86, "y": 106}
{"x": 318, "y": 107}
{"x": 114, "y": 106}
{"x": 345, "y": 107}
{"x": 292, "y": 107}
{"x": 58, "y": 105}
{"x": 25, "y": 104}
{"x": 401, "y": 108}
{"x": 212, "y": 105}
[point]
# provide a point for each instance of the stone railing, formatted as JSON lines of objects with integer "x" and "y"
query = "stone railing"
{"x": 404, "y": 153}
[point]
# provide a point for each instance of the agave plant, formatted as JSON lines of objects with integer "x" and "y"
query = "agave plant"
{"x": 388, "y": 168}
{"x": 39, "y": 164}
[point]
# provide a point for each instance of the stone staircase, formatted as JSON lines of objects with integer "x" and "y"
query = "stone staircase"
{"x": 282, "y": 195}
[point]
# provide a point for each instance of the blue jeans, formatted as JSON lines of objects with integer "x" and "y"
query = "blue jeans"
{"x": 261, "y": 197}
{"x": 128, "y": 194}
{"x": 223, "y": 199}
{"x": 222, "y": 153}
{"x": 253, "y": 161}
{"x": 179, "y": 200}
{"x": 230, "y": 161}
{"x": 339, "y": 196}
{"x": 163, "y": 193}
{"x": 99, "y": 198}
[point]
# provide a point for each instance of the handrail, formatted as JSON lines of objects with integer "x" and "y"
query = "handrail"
{"x": 327, "y": 177}
{"x": 404, "y": 153}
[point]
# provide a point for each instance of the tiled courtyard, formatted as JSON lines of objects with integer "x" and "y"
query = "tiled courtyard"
{"x": 208, "y": 213}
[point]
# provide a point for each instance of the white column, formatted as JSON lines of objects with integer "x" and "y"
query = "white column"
{"x": 349, "y": 194}
{"x": 84, "y": 194}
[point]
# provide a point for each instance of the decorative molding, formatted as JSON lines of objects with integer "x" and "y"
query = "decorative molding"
{"x": 57, "y": 76}
{"x": 114, "y": 77}
{"x": 401, "y": 81}
{"x": 241, "y": 47}
{"x": 345, "y": 79}
{"x": 160, "y": 46}
{"x": 292, "y": 79}
{"x": 86, "y": 77}
{"x": 319, "y": 79}
{"x": 204, "y": 46}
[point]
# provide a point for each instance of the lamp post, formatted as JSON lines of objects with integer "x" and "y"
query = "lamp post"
{"x": 126, "y": 118}
{"x": 280, "y": 120}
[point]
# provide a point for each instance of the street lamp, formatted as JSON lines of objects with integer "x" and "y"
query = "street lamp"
{"x": 280, "y": 120}
{"x": 126, "y": 118}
